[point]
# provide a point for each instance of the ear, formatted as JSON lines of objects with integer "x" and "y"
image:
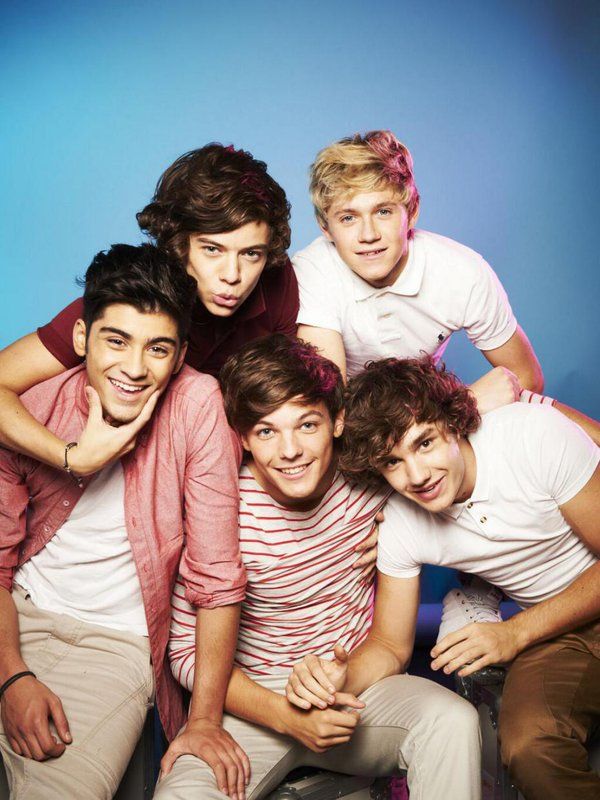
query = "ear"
{"x": 244, "y": 440}
{"x": 180, "y": 358}
{"x": 80, "y": 338}
{"x": 338, "y": 425}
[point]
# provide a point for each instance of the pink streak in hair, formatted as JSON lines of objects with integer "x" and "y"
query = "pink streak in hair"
{"x": 252, "y": 182}
{"x": 319, "y": 369}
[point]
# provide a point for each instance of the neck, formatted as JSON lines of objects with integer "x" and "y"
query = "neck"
{"x": 470, "y": 476}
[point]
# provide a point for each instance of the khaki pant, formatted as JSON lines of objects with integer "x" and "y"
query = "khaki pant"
{"x": 408, "y": 723}
{"x": 551, "y": 701}
{"x": 104, "y": 679}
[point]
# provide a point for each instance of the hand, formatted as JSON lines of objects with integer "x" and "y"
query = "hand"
{"x": 320, "y": 729}
{"x": 496, "y": 388}
{"x": 27, "y": 707}
{"x": 101, "y": 443}
{"x": 476, "y": 646}
{"x": 368, "y": 548}
{"x": 210, "y": 742}
{"x": 317, "y": 682}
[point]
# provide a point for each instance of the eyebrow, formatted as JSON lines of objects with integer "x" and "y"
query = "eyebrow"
{"x": 128, "y": 337}
{"x": 422, "y": 437}
{"x": 302, "y": 417}
{"x": 350, "y": 210}
{"x": 212, "y": 242}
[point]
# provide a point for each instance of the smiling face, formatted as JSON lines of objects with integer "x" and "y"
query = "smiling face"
{"x": 129, "y": 355}
{"x": 227, "y": 266}
{"x": 431, "y": 467}
{"x": 292, "y": 452}
{"x": 370, "y": 232}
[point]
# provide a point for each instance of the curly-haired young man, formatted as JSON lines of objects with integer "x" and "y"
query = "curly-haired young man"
{"x": 515, "y": 498}
{"x": 300, "y": 523}
{"x": 221, "y": 215}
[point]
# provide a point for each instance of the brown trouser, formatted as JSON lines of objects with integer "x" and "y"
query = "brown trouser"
{"x": 551, "y": 702}
{"x": 104, "y": 680}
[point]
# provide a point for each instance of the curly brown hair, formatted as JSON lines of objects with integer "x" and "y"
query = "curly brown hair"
{"x": 268, "y": 372}
{"x": 387, "y": 398}
{"x": 216, "y": 189}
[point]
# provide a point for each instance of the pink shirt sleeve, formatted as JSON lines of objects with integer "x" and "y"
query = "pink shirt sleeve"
{"x": 211, "y": 563}
{"x": 14, "y": 498}
{"x": 57, "y": 335}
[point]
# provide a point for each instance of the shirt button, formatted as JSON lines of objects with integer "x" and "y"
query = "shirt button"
{"x": 470, "y": 505}
{"x": 483, "y": 519}
{"x": 46, "y": 528}
{"x": 66, "y": 503}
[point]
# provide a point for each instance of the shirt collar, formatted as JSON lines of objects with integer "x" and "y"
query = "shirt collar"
{"x": 481, "y": 490}
{"x": 406, "y": 284}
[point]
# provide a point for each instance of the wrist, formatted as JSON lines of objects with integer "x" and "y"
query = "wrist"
{"x": 280, "y": 712}
{"x": 10, "y": 668}
{"x": 519, "y": 630}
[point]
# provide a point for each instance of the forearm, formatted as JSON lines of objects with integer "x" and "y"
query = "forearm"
{"x": 251, "y": 701}
{"x": 11, "y": 661}
{"x": 21, "y": 432}
{"x": 216, "y": 638}
{"x": 589, "y": 425}
{"x": 574, "y": 606}
{"x": 371, "y": 662}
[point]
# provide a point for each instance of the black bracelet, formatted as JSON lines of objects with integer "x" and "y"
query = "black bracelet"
{"x": 14, "y": 678}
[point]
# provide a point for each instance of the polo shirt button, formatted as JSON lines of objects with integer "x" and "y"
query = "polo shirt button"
{"x": 483, "y": 519}
{"x": 66, "y": 503}
{"x": 470, "y": 505}
{"x": 46, "y": 528}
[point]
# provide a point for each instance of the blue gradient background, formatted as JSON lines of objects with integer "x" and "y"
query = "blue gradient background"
{"x": 496, "y": 100}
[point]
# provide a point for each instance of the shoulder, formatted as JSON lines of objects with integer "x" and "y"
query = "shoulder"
{"x": 319, "y": 256}
{"x": 277, "y": 279}
{"x": 193, "y": 390}
{"x": 443, "y": 253}
{"x": 63, "y": 390}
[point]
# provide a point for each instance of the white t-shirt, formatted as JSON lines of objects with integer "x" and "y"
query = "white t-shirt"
{"x": 303, "y": 596}
{"x": 530, "y": 460}
{"x": 87, "y": 569}
{"x": 443, "y": 288}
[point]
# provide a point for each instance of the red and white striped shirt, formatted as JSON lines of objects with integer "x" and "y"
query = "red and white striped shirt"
{"x": 302, "y": 596}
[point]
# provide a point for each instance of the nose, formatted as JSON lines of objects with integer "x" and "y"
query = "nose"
{"x": 290, "y": 447}
{"x": 368, "y": 230}
{"x": 134, "y": 365}
{"x": 417, "y": 473}
{"x": 230, "y": 269}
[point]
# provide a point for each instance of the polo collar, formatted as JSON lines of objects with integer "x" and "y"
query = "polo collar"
{"x": 407, "y": 284}
{"x": 481, "y": 491}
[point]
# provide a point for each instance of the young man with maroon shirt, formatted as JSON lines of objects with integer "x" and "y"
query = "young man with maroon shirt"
{"x": 87, "y": 566}
{"x": 221, "y": 215}
{"x": 300, "y": 522}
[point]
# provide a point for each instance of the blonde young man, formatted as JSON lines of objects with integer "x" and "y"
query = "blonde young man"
{"x": 373, "y": 286}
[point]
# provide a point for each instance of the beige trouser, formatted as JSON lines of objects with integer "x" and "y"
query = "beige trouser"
{"x": 408, "y": 723}
{"x": 105, "y": 682}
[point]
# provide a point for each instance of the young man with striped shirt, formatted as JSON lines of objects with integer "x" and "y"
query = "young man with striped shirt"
{"x": 300, "y": 523}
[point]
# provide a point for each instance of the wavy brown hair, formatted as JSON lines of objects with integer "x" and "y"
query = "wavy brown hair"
{"x": 387, "y": 398}
{"x": 268, "y": 372}
{"x": 216, "y": 189}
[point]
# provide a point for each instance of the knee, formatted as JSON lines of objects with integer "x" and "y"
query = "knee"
{"x": 524, "y": 749}
{"x": 453, "y": 718}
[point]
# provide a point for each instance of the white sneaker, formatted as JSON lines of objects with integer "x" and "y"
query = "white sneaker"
{"x": 477, "y": 601}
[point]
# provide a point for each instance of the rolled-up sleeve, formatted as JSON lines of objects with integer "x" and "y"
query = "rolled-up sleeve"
{"x": 211, "y": 564}
{"x": 14, "y": 497}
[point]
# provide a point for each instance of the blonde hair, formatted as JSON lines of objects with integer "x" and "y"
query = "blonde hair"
{"x": 366, "y": 163}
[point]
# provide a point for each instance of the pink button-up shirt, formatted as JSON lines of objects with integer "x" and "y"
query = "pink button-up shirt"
{"x": 181, "y": 504}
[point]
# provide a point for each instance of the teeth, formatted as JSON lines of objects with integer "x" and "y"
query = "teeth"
{"x": 126, "y": 386}
{"x": 293, "y": 470}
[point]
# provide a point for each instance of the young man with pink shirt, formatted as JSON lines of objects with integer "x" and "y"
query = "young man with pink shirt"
{"x": 87, "y": 565}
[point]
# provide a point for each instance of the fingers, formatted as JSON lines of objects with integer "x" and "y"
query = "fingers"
{"x": 59, "y": 718}
{"x": 136, "y": 425}
{"x": 350, "y": 700}
{"x": 476, "y": 665}
{"x": 167, "y": 761}
{"x": 340, "y": 653}
{"x": 307, "y": 692}
{"x": 94, "y": 404}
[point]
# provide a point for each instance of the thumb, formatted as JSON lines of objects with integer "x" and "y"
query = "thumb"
{"x": 340, "y": 653}
{"x": 167, "y": 761}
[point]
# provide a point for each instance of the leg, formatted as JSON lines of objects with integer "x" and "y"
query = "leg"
{"x": 104, "y": 680}
{"x": 271, "y": 756}
{"x": 415, "y": 724}
{"x": 550, "y": 701}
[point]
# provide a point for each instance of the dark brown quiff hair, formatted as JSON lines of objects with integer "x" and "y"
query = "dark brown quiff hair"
{"x": 216, "y": 189}
{"x": 387, "y": 398}
{"x": 268, "y": 372}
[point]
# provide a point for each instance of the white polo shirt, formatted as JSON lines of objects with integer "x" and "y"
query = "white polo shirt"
{"x": 443, "y": 288}
{"x": 530, "y": 460}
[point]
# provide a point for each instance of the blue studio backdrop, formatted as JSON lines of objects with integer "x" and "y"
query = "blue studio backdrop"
{"x": 497, "y": 101}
